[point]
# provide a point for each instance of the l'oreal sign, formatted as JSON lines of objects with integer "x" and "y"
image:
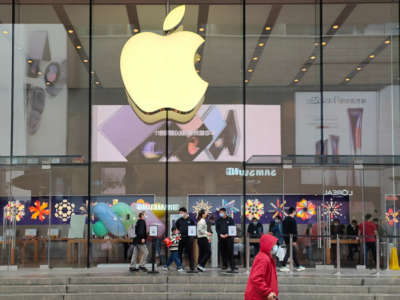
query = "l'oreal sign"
{"x": 250, "y": 172}
{"x": 338, "y": 193}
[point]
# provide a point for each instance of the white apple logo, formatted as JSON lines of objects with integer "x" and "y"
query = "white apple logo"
{"x": 159, "y": 73}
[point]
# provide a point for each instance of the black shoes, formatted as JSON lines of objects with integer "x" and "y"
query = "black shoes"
{"x": 232, "y": 272}
{"x": 143, "y": 269}
{"x": 224, "y": 268}
{"x": 133, "y": 269}
{"x": 192, "y": 271}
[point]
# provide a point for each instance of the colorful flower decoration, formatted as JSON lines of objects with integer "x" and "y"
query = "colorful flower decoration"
{"x": 39, "y": 210}
{"x": 230, "y": 207}
{"x": 279, "y": 208}
{"x": 305, "y": 209}
{"x": 64, "y": 210}
{"x": 15, "y": 209}
{"x": 202, "y": 205}
{"x": 254, "y": 209}
{"x": 392, "y": 217}
{"x": 332, "y": 209}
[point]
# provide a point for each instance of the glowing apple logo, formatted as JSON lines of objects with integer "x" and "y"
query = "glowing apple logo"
{"x": 159, "y": 74}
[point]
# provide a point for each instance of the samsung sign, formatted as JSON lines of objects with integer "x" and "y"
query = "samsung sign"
{"x": 250, "y": 172}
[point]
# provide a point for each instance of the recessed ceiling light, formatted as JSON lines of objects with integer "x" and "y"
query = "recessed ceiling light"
{"x": 387, "y": 42}
{"x": 312, "y": 57}
{"x": 70, "y": 31}
{"x": 78, "y": 47}
{"x": 48, "y": 83}
{"x": 39, "y": 73}
{"x": 347, "y": 79}
{"x": 5, "y": 32}
{"x": 255, "y": 58}
{"x": 85, "y": 61}
{"x": 304, "y": 69}
{"x": 268, "y": 28}
{"x": 358, "y": 68}
{"x": 372, "y": 56}
{"x": 323, "y": 43}
{"x": 261, "y": 44}
{"x": 97, "y": 83}
{"x": 201, "y": 29}
{"x": 296, "y": 80}
{"x": 246, "y": 81}
{"x": 92, "y": 72}
{"x": 316, "y": 44}
{"x": 250, "y": 70}
{"x": 335, "y": 27}
{"x": 30, "y": 61}
{"x": 135, "y": 30}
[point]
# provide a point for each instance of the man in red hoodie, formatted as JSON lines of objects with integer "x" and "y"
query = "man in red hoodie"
{"x": 263, "y": 282}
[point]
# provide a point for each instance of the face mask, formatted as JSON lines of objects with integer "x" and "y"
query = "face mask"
{"x": 254, "y": 223}
{"x": 221, "y": 215}
{"x": 274, "y": 250}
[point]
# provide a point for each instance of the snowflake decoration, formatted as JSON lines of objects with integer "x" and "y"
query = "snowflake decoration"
{"x": 392, "y": 217}
{"x": 230, "y": 207}
{"x": 305, "y": 209}
{"x": 202, "y": 205}
{"x": 254, "y": 209}
{"x": 279, "y": 208}
{"x": 39, "y": 210}
{"x": 15, "y": 209}
{"x": 64, "y": 210}
{"x": 333, "y": 209}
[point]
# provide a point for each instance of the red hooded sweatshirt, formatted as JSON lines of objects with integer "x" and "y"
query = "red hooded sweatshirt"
{"x": 263, "y": 280}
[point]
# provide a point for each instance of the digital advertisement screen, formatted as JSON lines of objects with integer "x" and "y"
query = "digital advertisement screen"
{"x": 214, "y": 134}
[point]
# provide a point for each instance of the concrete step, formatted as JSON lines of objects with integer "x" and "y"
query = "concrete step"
{"x": 195, "y": 296}
{"x": 33, "y": 289}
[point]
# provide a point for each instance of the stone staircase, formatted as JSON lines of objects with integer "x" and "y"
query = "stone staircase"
{"x": 208, "y": 286}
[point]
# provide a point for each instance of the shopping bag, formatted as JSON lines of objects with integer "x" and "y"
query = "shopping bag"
{"x": 167, "y": 241}
{"x": 280, "y": 254}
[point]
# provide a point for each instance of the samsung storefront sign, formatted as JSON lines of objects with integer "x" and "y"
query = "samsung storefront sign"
{"x": 250, "y": 172}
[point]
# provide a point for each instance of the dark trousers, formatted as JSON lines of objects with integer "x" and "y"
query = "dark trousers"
{"x": 285, "y": 260}
{"x": 174, "y": 257}
{"x": 204, "y": 251}
{"x": 226, "y": 249}
{"x": 186, "y": 244}
{"x": 256, "y": 247}
{"x": 370, "y": 246}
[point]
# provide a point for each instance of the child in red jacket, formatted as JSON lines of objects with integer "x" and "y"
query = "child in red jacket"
{"x": 263, "y": 282}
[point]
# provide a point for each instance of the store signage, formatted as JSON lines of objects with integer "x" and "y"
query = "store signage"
{"x": 250, "y": 172}
{"x": 339, "y": 192}
{"x": 159, "y": 74}
{"x": 157, "y": 206}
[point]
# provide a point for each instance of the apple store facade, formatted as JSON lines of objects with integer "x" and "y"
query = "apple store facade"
{"x": 285, "y": 78}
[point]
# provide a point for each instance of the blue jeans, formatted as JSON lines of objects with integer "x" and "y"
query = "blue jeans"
{"x": 174, "y": 256}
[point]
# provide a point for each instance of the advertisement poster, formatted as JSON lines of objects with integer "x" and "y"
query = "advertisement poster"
{"x": 350, "y": 123}
{"x": 212, "y": 203}
{"x": 265, "y": 207}
{"x": 214, "y": 134}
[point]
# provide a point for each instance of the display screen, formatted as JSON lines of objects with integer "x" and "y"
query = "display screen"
{"x": 214, "y": 134}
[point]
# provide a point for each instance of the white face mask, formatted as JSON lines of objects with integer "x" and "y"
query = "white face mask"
{"x": 274, "y": 249}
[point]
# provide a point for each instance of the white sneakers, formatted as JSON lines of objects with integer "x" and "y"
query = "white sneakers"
{"x": 201, "y": 269}
{"x": 286, "y": 269}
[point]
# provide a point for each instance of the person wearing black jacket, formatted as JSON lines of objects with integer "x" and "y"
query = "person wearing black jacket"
{"x": 352, "y": 232}
{"x": 225, "y": 242}
{"x": 289, "y": 227}
{"x": 255, "y": 231}
{"x": 186, "y": 242}
{"x": 139, "y": 244}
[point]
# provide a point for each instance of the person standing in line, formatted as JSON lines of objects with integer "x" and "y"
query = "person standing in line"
{"x": 139, "y": 243}
{"x": 370, "y": 237}
{"x": 263, "y": 282}
{"x": 255, "y": 231}
{"x": 173, "y": 251}
{"x": 203, "y": 236}
{"x": 186, "y": 242}
{"x": 225, "y": 242}
{"x": 289, "y": 227}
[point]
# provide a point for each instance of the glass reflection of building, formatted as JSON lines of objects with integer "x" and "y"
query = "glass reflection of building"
{"x": 301, "y": 110}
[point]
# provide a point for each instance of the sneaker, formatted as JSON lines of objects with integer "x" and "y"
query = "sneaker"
{"x": 284, "y": 269}
{"x": 181, "y": 270}
{"x": 224, "y": 268}
{"x": 133, "y": 269}
{"x": 201, "y": 269}
{"x": 191, "y": 271}
{"x": 165, "y": 268}
{"x": 232, "y": 272}
{"x": 144, "y": 269}
{"x": 300, "y": 269}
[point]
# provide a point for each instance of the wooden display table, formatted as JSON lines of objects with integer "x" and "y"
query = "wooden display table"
{"x": 328, "y": 259}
